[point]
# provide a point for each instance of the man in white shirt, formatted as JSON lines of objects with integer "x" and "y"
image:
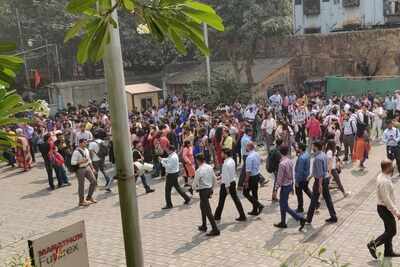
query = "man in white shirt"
{"x": 204, "y": 182}
{"x": 98, "y": 160}
{"x": 299, "y": 119}
{"x": 268, "y": 127}
{"x": 391, "y": 138}
{"x": 81, "y": 159}
{"x": 387, "y": 211}
{"x": 228, "y": 182}
{"x": 171, "y": 165}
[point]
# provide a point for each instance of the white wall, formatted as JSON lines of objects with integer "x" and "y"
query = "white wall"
{"x": 333, "y": 15}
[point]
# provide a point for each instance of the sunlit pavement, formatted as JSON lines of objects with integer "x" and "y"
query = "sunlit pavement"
{"x": 170, "y": 238}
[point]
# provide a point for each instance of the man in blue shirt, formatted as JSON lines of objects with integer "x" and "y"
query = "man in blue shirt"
{"x": 321, "y": 185}
{"x": 245, "y": 140}
{"x": 252, "y": 179}
{"x": 301, "y": 174}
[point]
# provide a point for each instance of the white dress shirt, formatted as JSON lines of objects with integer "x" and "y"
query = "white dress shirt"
{"x": 385, "y": 193}
{"x": 77, "y": 156}
{"x": 391, "y": 136}
{"x": 171, "y": 164}
{"x": 268, "y": 125}
{"x": 204, "y": 178}
{"x": 228, "y": 174}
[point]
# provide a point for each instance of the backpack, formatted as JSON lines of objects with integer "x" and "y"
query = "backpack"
{"x": 361, "y": 127}
{"x": 74, "y": 168}
{"x": 273, "y": 161}
{"x": 103, "y": 150}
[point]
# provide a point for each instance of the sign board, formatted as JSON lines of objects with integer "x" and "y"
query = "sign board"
{"x": 351, "y": 3}
{"x": 64, "y": 248}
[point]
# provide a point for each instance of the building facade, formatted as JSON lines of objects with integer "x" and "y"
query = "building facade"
{"x": 324, "y": 16}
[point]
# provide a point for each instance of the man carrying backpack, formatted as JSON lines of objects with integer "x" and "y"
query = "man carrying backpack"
{"x": 391, "y": 138}
{"x": 273, "y": 160}
{"x": 98, "y": 153}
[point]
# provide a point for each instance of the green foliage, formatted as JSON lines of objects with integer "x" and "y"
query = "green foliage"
{"x": 175, "y": 20}
{"x": 10, "y": 102}
{"x": 224, "y": 90}
{"x": 246, "y": 24}
{"x": 9, "y": 65}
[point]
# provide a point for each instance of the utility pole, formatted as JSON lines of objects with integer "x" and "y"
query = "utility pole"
{"x": 58, "y": 63}
{"x": 208, "y": 65}
{"x": 115, "y": 80}
{"x": 21, "y": 40}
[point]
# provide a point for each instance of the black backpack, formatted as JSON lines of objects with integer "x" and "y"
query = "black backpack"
{"x": 273, "y": 160}
{"x": 103, "y": 150}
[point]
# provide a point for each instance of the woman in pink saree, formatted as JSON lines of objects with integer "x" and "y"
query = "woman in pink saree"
{"x": 23, "y": 154}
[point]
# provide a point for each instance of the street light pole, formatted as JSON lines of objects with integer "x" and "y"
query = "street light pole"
{"x": 115, "y": 80}
{"x": 21, "y": 40}
{"x": 208, "y": 65}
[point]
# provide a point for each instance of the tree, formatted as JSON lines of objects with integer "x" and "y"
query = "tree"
{"x": 247, "y": 23}
{"x": 11, "y": 103}
{"x": 224, "y": 89}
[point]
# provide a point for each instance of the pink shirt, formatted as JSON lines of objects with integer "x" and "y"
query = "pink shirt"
{"x": 314, "y": 128}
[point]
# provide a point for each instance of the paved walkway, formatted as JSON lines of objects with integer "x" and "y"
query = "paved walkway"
{"x": 170, "y": 238}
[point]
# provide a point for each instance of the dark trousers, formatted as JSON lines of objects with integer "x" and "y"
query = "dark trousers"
{"x": 242, "y": 172}
{"x": 301, "y": 134}
{"x": 336, "y": 178}
{"x": 300, "y": 188}
{"x": 222, "y": 196}
{"x": 99, "y": 167}
{"x": 390, "y": 229}
{"x": 251, "y": 192}
{"x": 49, "y": 170}
{"x": 284, "y": 204}
{"x": 393, "y": 153}
{"x": 81, "y": 174}
{"x": 144, "y": 182}
{"x": 10, "y": 157}
{"x": 61, "y": 175}
{"x": 205, "y": 208}
{"x": 315, "y": 197}
{"x": 172, "y": 181}
{"x": 348, "y": 142}
{"x": 32, "y": 151}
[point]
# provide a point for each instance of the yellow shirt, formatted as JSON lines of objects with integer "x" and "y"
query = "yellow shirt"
{"x": 228, "y": 143}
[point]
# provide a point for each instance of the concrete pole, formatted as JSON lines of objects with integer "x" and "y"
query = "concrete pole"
{"x": 115, "y": 80}
{"x": 21, "y": 39}
{"x": 58, "y": 63}
{"x": 208, "y": 64}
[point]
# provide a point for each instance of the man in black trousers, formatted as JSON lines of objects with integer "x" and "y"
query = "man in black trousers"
{"x": 386, "y": 210}
{"x": 204, "y": 182}
{"x": 228, "y": 182}
{"x": 171, "y": 165}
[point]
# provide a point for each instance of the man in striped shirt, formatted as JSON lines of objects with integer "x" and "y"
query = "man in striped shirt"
{"x": 285, "y": 182}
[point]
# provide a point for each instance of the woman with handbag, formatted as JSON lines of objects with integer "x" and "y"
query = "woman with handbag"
{"x": 334, "y": 168}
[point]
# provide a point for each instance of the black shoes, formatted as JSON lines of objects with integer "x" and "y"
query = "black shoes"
{"x": 202, "y": 228}
{"x": 241, "y": 219}
{"x": 302, "y": 224}
{"x": 260, "y": 209}
{"x": 148, "y": 191}
{"x": 253, "y": 213}
{"x": 372, "y": 249}
{"x": 331, "y": 220}
{"x": 213, "y": 233}
{"x": 187, "y": 201}
{"x": 280, "y": 225}
{"x": 167, "y": 208}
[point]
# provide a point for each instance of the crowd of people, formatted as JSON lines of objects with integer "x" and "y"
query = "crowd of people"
{"x": 306, "y": 138}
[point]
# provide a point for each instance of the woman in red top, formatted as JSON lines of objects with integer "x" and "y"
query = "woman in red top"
{"x": 218, "y": 147}
{"x": 188, "y": 163}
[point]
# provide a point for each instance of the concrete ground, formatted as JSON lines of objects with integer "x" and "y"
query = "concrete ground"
{"x": 170, "y": 238}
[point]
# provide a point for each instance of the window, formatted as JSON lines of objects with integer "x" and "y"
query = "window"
{"x": 351, "y": 3}
{"x": 311, "y": 7}
{"x": 312, "y": 30}
{"x": 392, "y": 8}
{"x": 297, "y": 2}
{"x": 147, "y": 103}
{"x": 325, "y": 0}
